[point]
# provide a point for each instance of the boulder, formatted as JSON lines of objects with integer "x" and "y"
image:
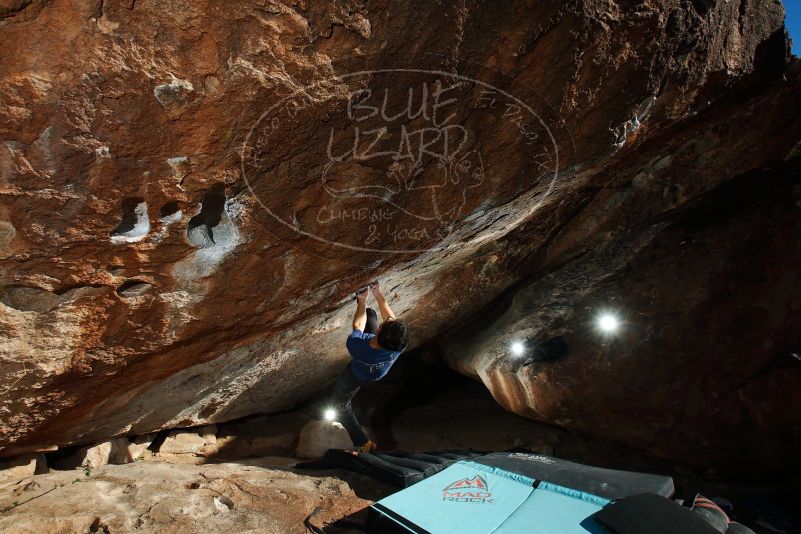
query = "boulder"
{"x": 18, "y": 469}
{"x": 200, "y": 442}
{"x": 113, "y": 451}
{"x": 676, "y": 378}
{"x": 183, "y": 220}
{"x": 271, "y": 445}
{"x": 318, "y": 436}
{"x": 138, "y": 446}
{"x": 234, "y": 447}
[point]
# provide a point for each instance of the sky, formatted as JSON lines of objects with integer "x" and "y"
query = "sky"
{"x": 793, "y": 23}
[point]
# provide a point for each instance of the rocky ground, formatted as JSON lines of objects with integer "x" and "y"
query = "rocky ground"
{"x": 262, "y": 495}
{"x": 239, "y": 476}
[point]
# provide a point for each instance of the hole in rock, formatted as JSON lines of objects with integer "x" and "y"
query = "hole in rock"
{"x": 135, "y": 223}
{"x": 129, "y": 217}
{"x": 224, "y": 501}
{"x": 133, "y": 288}
{"x": 211, "y": 227}
{"x": 170, "y": 212}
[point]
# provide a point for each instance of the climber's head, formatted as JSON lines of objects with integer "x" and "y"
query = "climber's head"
{"x": 393, "y": 335}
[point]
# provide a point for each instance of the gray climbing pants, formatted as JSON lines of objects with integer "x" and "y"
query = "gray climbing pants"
{"x": 347, "y": 387}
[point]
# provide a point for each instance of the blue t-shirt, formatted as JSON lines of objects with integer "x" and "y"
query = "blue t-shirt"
{"x": 367, "y": 363}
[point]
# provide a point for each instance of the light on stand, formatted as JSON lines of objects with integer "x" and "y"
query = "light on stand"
{"x": 330, "y": 414}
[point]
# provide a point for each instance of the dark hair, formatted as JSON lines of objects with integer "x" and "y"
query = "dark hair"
{"x": 394, "y": 335}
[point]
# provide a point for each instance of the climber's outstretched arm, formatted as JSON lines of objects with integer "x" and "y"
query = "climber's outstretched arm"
{"x": 383, "y": 306}
{"x": 360, "y": 317}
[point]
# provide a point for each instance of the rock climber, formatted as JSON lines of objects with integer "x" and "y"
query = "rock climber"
{"x": 373, "y": 348}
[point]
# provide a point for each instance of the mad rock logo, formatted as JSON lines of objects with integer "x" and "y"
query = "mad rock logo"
{"x": 394, "y": 160}
{"x": 470, "y": 490}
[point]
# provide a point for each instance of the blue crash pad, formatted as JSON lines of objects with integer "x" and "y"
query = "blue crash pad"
{"x": 469, "y": 497}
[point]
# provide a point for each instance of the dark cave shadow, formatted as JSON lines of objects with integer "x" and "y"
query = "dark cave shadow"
{"x": 356, "y": 521}
{"x": 417, "y": 379}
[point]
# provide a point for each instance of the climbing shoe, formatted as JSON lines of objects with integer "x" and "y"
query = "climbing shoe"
{"x": 369, "y": 446}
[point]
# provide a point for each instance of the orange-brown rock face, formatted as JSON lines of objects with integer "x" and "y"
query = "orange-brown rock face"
{"x": 192, "y": 190}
